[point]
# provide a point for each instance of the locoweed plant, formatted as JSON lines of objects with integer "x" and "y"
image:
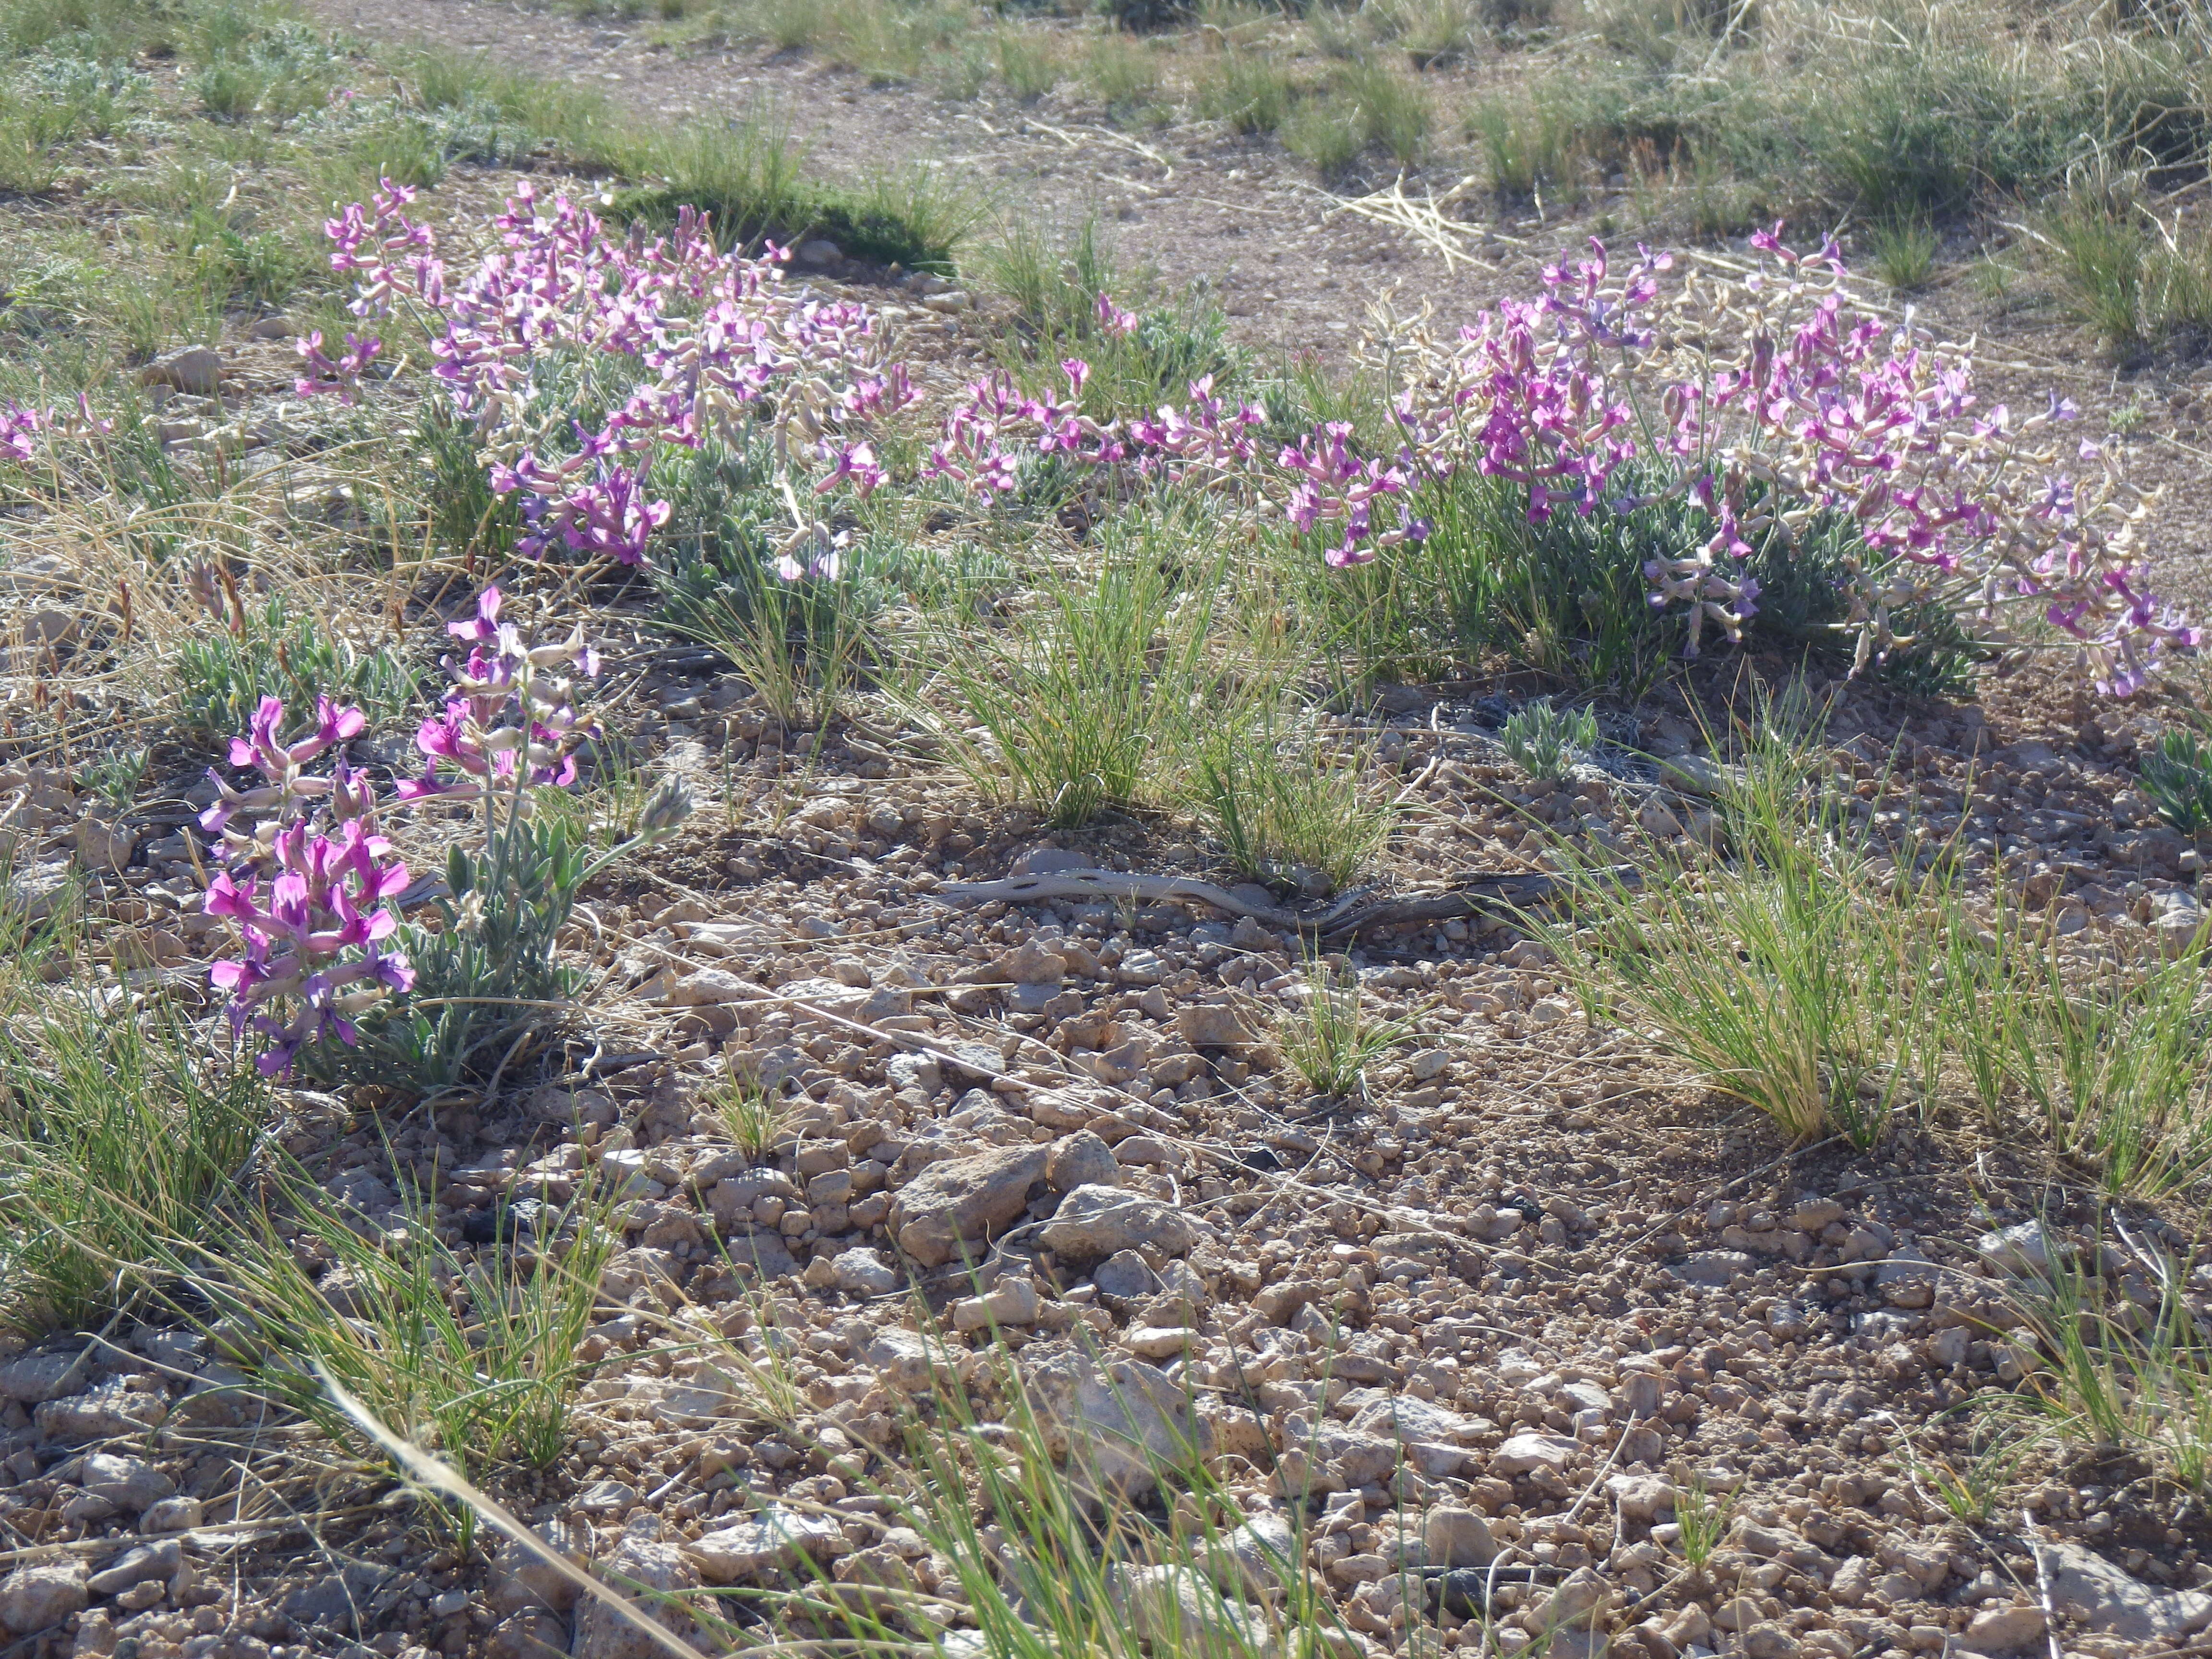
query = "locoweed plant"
{"x": 324, "y": 944}
{"x": 223, "y": 674}
{"x": 1544, "y": 741}
{"x": 1588, "y": 401}
{"x": 2177, "y": 775}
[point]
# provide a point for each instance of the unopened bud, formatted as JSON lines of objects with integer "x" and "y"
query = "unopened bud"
{"x": 668, "y": 805}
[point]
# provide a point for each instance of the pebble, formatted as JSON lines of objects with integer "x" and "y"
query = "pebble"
{"x": 1525, "y": 1452}
{"x": 1013, "y": 1301}
{"x": 1159, "y": 1341}
{"x": 863, "y": 1272}
{"x": 40, "y": 1596}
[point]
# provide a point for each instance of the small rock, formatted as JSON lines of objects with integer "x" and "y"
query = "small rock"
{"x": 964, "y": 1200}
{"x": 1715, "y": 1269}
{"x": 1081, "y": 1159}
{"x": 1159, "y": 1341}
{"x": 129, "y": 1483}
{"x": 197, "y": 371}
{"x": 863, "y": 1272}
{"x": 1457, "y": 1537}
{"x": 1095, "y": 1222}
{"x": 1012, "y": 1302}
{"x": 1213, "y": 1025}
{"x": 137, "y": 1565}
{"x": 1427, "y": 1065}
{"x": 1176, "y": 1611}
{"x": 2117, "y": 1603}
{"x": 754, "y": 1547}
{"x": 1998, "y": 1632}
{"x": 1125, "y": 1273}
{"x": 179, "y": 1514}
{"x": 34, "y": 1378}
{"x": 1525, "y": 1452}
{"x": 39, "y": 1597}
{"x": 640, "y": 1565}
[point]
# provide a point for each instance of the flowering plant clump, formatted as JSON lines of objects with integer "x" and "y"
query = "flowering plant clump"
{"x": 319, "y": 940}
{"x": 1765, "y": 399}
{"x": 315, "y": 940}
{"x": 714, "y": 340}
{"x": 27, "y": 432}
{"x": 510, "y": 723}
{"x": 1772, "y": 403}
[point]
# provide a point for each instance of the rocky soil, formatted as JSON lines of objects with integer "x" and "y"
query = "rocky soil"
{"x": 1533, "y": 1300}
{"x": 1520, "y": 1302}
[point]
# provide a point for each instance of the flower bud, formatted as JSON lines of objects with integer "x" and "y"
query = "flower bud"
{"x": 668, "y": 805}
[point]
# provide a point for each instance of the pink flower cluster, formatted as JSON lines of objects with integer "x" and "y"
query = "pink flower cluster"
{"x": 973, "y": 449}
{"x": 315, "y": 936}
{"x": 720, "y": 343}
{"x": 1533, "y": 392}
{"x": 19, "y": 432}
{"x": 510, "y": 723}
{"x": 1824, "y": 410}
{"x": 25, "y": 429}
{"x": 1770, "y": 401}
{"x": 1765, "y": 397}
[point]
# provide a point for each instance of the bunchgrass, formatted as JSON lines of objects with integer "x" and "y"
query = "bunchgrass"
{"x": 118, "y": 1136}
{"x": 2104, "y": 1053}
{"x": 1283, "y": 807}
{"x": 751, "y": 1114}
{"x": 2124, "y": 1368}
{"x": 1701, "y": 1520}
{"x": 1903, "y": 253}
{"x": 1331, "y": 1041}
{"x": 1973, "y": 1483}
{"x": 1082, "y": 704}
{"x": 1247, "y": 91}
{"x": 475, "y": 1355}
{"x": 1818, "y": 1005}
